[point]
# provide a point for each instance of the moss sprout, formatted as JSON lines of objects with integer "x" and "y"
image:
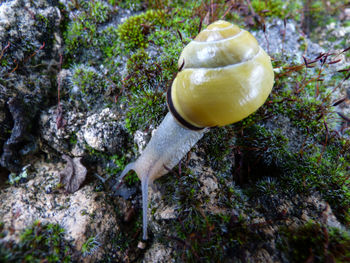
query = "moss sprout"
{"x": 90, "y": 246}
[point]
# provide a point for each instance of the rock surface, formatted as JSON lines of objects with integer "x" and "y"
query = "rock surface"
{"x": 100, "y": 131}
{"x": 83, "y": 214}
{"x": 30, "y": 35}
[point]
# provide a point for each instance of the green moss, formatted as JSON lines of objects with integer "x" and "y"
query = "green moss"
{"x": 90, "y": 246}
{"x": 42, "y": 20}
{"x": 87, "y": 86}
{"x": 108, "y": 42}
{"x": 21, "y": 177}
{"x": 119, "y": 163}
{"x": 208, "y": 237}
{"x": 320, "y": 13}
{"x": 73, "y": 35}
{"x": 277, "y": 8}
{"x": 73, "y": 139}
{"x": 146, "y": 108}
{"x": 141, "y": 71}
{"x": 134, "y": 5}
{"x": 200, "y": 233}
{"x": 268, "y": 186}
{"x": 82, "y": 32}
{"x": 218, "y": 145}
{"x": 303, "y": 43}
{"x": 147, "y": 78}
{"x": 305, "y": 156}
{"x": 133, "y": 32}
{"x": 125, "y": 242}
{"x": 316, "y": 241}
{"x": 299, "y": 170}
{"x": 99, "y": 11}
{"x": 38, "y": 243}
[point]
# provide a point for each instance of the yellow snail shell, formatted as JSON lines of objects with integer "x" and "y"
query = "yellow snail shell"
{"x": 226, "y": 76}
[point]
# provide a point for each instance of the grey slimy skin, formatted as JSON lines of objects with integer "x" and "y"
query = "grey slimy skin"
{"x": 169, "y": 144}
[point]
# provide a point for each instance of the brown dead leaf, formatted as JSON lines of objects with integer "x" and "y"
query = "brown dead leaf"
{"x": 73, "y": 175}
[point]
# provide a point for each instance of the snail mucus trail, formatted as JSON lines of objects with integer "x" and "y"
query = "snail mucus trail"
{"x": 226, "y": 77}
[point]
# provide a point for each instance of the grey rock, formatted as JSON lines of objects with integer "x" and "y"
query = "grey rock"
{"x": 10, "y": 157}
{"x": 158, "y": 253}
{"x": 286, "y": 40}
{"x": 103, "y": 132}
{"x": 5, "y": 117}
{"x": 84, "y": 214}
{"x": 63, "y": 140}
{"x": 29, "y": 32}
{"x": 100, "y": 131}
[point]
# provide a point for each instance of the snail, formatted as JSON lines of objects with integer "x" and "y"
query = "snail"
{"x": 225, "y": 77}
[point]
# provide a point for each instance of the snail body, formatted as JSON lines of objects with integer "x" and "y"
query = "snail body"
{"x": 225, "y": 77}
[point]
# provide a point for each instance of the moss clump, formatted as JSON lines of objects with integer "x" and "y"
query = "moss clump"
{"x": 99, "y": 11}
{"x": 87, "y": 86}
{"x": 38, "y": 243}
{"x": 146, "y": 98}
{"x": 202, "y": 235}
{"x": 276, "y": 8}
{"x": 146, "y": 108}
{"x": 218, "y": 145}
{"x": 317, "y": 242}
{"x": 90, "y": 246}
{"x": 142, "y": 71}
{"x": 320, "y": 13}
{"x": 133, "y": 32}
{"x": 75, "y": 36}
{"x": 208, "y": 237}
{"x": 303, "y": 170}
{"x": 134, "y": 5}
{"x": 214, "y": 237}
{"x": 82, "y": 32}
{"x": 21, "y": 177}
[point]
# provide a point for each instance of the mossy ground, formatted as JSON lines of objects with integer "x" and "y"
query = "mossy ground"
{"x": 317, "y": 242}
{"x": 268, "y": 160}
{"x": 40, "y": 242}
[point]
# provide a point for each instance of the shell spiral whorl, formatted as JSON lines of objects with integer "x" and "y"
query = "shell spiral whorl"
{"x": 226, "y": 76}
